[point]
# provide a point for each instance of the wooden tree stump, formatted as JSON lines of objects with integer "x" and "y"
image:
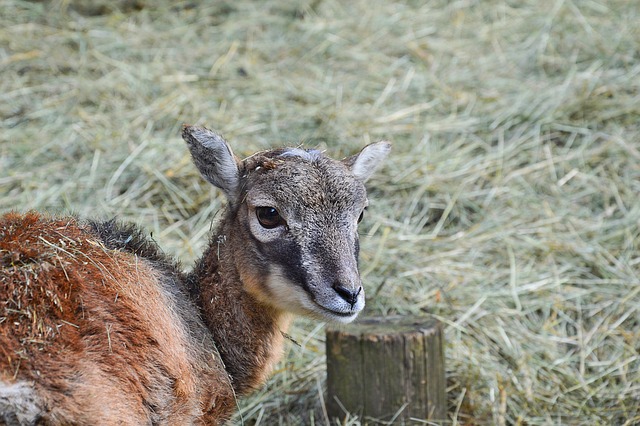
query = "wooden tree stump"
{"x": 387, "y": 369}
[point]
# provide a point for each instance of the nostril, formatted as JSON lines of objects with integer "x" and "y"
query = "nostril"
{"x": 350, "y": 296}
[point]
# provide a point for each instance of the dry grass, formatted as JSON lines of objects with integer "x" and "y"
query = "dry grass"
{"x": 510, "y": 208}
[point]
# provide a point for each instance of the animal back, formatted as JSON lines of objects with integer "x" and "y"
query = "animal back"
{"x": 89, "y": 332}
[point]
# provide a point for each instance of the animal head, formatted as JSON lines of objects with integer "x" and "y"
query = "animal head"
{"x": 294, "y": 216}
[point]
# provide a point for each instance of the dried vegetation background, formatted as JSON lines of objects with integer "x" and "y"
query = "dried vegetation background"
{"x": 509, "y": 208}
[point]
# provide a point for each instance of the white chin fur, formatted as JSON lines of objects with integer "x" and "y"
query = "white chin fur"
{"x": 341, "y": 319}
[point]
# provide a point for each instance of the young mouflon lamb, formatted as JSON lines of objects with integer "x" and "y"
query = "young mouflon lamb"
{"x": 97, "y": 326}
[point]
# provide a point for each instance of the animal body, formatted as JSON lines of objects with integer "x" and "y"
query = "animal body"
{"x": 97, "y": 326}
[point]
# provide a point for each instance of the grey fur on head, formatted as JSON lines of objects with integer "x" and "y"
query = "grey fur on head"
{"x": 294, "y": 217}
{"x": 305, "y": 154}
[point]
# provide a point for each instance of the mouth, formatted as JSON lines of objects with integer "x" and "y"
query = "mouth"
{"x": 338, "y": 315}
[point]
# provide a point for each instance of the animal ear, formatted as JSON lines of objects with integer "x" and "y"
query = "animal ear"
{"x": 213, "y": 157}
{"x": 364, "y": 164}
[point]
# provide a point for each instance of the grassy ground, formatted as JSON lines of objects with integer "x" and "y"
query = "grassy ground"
{"x": 509, "y": 208}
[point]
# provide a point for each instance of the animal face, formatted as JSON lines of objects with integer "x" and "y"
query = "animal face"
{"x": 295, "y": 219}
{"x": 302, "y": 213}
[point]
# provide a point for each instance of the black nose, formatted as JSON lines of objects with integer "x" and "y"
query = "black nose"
{"x": 350, "y": 296}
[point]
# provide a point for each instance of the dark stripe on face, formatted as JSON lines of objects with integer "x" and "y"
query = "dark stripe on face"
{"x": 287, "y": 254}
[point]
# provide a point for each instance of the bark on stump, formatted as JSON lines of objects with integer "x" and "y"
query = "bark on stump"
{"x": 387, "y": 369}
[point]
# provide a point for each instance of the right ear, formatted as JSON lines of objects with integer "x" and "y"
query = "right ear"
{"x": 365, "y": 163}
{"x": 214, "y": 159}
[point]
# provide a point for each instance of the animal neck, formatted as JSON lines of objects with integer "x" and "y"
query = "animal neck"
{"x": 247, "y": 332}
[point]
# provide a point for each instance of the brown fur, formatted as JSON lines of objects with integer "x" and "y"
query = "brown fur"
{"x": 97, "y": 326}
{"x": 92, "y": 331}
{"x": 249, "y": 334}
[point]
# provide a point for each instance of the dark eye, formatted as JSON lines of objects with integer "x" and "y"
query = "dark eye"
{"x": 269, "y": 217}
{"x": 361, "y": 216}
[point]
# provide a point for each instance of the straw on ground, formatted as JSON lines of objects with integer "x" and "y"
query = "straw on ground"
{"x": 509, "y": 208}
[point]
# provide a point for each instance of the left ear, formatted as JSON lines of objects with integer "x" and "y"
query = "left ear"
{"x": 364, "y": 164}
{"x": 214, "y": 159}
